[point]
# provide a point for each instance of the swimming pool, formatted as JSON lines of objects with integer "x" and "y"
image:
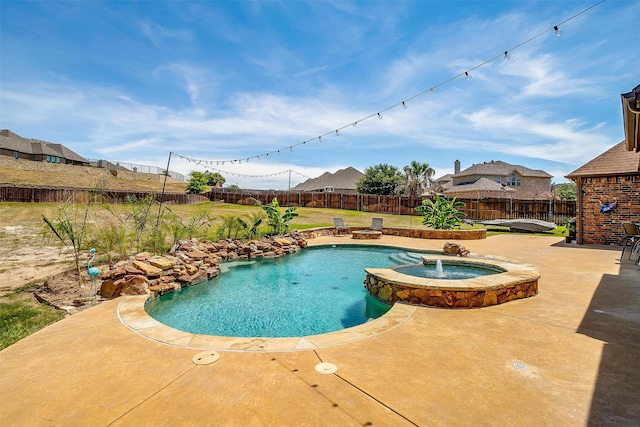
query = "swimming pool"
{"x": 314, "y": 291}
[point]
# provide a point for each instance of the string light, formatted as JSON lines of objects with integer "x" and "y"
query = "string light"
{"x": 506, "y": 56}
{"x": 256, "y": 176}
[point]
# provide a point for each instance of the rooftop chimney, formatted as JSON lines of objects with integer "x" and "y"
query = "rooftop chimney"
{"x": 456, "y": 167}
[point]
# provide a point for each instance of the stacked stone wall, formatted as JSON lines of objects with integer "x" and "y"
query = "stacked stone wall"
{"x": 392, "y": 292}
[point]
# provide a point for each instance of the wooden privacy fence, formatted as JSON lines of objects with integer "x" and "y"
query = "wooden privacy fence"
{"x": 25, "y": 194}
{"x": 476, "y": 209}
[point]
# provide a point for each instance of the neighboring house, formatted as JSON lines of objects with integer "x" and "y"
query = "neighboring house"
{"x": 15, "y": 146}
{"x": 343, "y": 181}
{"x": 496, "y": 179}
{"x": 611, "y": 178}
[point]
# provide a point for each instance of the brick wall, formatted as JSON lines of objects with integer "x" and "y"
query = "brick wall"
{"x": 606, "y": 228}
{"x": 534, "y": 188}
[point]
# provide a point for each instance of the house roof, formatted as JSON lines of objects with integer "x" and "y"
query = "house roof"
{"x": 615, "y": 161}
{"x": 14, "y": 142}
{"x": 445, "y": 178}
{"x": 498, "y": 167}
{"x": 344, "y": 179}
{"x": 481, "y": 184}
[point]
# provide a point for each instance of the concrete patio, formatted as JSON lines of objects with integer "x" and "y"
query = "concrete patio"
{"x": 569, "y": 356}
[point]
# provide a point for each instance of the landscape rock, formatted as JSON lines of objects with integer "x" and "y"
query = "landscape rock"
{"x": 455, "y": 249}
{"x": 190, "y": 262}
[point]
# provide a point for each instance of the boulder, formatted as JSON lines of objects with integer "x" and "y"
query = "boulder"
{"x": 455, "y": 249}
{"x": 148, "y": 269}
{"x": 135, "y": 285}
{"x": 161, "y": 262}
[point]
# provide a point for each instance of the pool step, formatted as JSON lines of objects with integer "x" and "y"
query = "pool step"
{"x": 406, "y": 258}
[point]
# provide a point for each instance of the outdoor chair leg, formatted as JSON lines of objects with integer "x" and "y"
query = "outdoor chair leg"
{"x": 624, "y": 245}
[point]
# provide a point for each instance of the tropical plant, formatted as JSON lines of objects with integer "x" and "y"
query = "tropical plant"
{"x": 69, "y": 227}
{"x": 382, "y": 179}
{"x": 229, "y": 225}
{"x": 251, "y": 227}
{"x": 417, "y": 177}
{"x": 279, "y": 222}
{"x": 440, "y": 213}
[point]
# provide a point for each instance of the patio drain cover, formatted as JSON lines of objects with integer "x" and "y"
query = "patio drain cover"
{"x": 519, "y": 365}
{"x": 206, "y": 357}
{"x": 326, "y": 368}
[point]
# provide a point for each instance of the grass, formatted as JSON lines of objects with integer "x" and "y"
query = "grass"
{"x": 21, "y": 316}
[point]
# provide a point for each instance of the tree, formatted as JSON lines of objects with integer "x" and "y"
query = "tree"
{"x": 197, "y": 183}
{"x": 214, "y": 178}
{"x": 565, "y": 191}
{"x": 417, "y": 178}
{"x": 382, "y": 179}
{"x": 200, "y": 180}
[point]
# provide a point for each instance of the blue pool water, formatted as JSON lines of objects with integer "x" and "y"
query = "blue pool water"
{"x": 314, "y": 291}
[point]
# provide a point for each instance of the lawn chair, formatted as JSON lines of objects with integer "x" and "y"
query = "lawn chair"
{"x": 631, "y": 234}
{"x": 340, "y": 226}
{"x": 376, "y": 224}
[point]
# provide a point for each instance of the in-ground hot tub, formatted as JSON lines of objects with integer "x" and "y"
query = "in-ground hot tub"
{"x": 508, "y": 280}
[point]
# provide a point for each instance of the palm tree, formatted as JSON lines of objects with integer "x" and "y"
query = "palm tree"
{"x": 418, "y": 178}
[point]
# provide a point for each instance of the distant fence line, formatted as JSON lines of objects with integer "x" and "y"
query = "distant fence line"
{"x": 134, "y": 167}
{"x": 476, "y": 209}
{"x": 27, "y": 194}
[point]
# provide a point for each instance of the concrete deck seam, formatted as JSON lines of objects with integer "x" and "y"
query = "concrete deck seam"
{"x": 153, "y": 394}
{"x": 375, "y": 399}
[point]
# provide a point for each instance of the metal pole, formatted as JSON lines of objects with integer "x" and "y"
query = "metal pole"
{"x": 164, "y": 185}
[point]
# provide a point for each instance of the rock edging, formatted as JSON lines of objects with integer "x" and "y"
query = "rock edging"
{"x": 190, "y": 263}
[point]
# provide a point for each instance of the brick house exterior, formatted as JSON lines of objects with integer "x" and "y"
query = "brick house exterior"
{"x": 612, "y": 177}
{"x": 497, "y": 179}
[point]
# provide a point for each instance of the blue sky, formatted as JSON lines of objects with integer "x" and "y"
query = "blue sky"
{"x": 234, "y": 80}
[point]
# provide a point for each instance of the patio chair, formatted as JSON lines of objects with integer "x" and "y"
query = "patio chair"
{"x": 631, "y": 234}
{"x": 340, "y": 225}
{"x": 376, "y": 224}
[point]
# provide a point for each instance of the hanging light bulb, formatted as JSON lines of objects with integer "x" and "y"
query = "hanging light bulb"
{"x": 404, "y": 105}
{"x": 558, "y": 31}
{"x": 337, "y": 132}
{"x": 319, "y": 139}
{"x": 507, "y": 56}
{"x": 380, "y": 116}
{"x": 431, "y": 91}
{"x": 354, "y": 124}
{"x": 466, "y": 73}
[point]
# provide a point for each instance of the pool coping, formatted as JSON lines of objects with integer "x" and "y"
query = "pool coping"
{"x": 132, "y": 314}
